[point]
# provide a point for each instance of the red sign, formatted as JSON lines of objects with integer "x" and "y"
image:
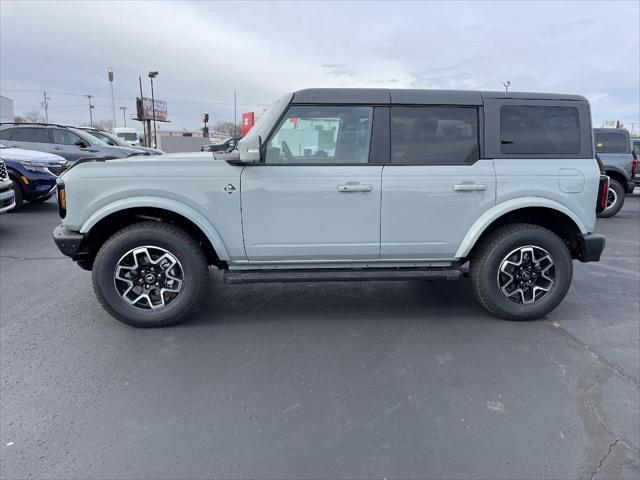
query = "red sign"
{"x": 248, "y": 119}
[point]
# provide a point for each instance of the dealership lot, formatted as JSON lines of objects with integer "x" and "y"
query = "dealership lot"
{"x": 355, "y": 380}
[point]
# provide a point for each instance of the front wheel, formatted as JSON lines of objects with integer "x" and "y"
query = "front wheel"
{"x": 521, "y": 272}
{"x": 615, "y": 199}
{"x": 150, "y": 274}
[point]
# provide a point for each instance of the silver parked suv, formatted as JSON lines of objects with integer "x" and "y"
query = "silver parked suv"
{"x": 70, "y": 143}
{"x": 350, "y": 184}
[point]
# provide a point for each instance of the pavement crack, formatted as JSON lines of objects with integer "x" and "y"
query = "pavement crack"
{"x": 599, "y": 466}
{"x": 576, "y": 342}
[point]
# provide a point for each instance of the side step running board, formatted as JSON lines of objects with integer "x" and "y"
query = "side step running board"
{"x": 337, "y": 275}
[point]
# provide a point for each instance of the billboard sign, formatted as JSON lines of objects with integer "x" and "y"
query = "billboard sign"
{"x": 147, "y": 109}
{"x": 248, "y": 119}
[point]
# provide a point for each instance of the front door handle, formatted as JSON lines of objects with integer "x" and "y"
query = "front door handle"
{"x": 355, "y": 188}
{"x": 469, "y": 187}
{"x": 56, "y": 148}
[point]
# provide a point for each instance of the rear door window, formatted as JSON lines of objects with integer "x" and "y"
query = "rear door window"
{"x": 434, "y": 135}
{"x": 610, "y": 142}
{"x": 65, "y": 137}
{"x": 530, "y": 130}
{"x": 34, "y": 135}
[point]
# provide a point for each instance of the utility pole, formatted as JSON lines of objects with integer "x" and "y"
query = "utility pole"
{"x": 124, "y": 114}
{"x": 235, "y": 115}
{"x": 45, "y": 105}
{"x": 506, "y": 85}
{"x": 90, "y": 111}
{"x": 141, "y": 115}
{"x": 113, "y": 103}
{"x": 153, "y": 75}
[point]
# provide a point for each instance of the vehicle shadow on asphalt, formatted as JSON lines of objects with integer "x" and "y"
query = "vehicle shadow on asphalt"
{"x": 371, "y": 301}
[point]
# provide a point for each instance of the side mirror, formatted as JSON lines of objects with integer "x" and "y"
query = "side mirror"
{"x": 81, "y": 143}
{"x": 249, "y": 149}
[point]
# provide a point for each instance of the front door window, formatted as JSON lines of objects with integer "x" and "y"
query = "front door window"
{"x": 322, "y": 135}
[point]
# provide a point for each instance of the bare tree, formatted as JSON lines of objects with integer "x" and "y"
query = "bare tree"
{"x": 227, "y": 128}
{"x": 35, "y": 116}
{"x": 105, "y": 125}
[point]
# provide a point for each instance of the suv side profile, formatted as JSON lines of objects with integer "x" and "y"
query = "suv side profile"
{"x": 613, "y": 147}
{"x": 350, "y": 184}
{"x": 70, "y": 143}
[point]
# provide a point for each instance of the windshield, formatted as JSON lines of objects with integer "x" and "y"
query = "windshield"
{"x": 611, "y": 142}
{"x": 131, "y": 137}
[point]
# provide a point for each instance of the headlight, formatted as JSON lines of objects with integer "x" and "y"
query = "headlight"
{"x": 36, "y": 167}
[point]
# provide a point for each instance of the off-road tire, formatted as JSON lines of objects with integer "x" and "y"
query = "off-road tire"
{"x": 485, "y": 264}
{"x": 617, "y": 187}
{"x": 169, "y": 237}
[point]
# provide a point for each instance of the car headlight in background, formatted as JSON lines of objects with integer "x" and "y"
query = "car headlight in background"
{"x": 36, "y": 167}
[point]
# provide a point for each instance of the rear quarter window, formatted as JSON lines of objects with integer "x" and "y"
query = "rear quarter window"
{"x": 610, "y": 142}
{"x": 546, "y": 130}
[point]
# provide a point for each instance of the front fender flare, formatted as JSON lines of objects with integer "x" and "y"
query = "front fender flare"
{"x": 497, "y": 211}
{"x": 165, "y": 204}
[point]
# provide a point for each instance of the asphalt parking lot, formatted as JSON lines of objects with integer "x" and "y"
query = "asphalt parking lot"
{"x": 384, "y": 380}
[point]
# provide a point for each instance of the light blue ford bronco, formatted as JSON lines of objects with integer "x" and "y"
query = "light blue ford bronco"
{"x": 350, "y": 184}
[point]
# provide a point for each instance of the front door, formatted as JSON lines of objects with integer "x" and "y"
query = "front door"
{"x": 70, "y": 146}
{"x": 315, "y": 198}
{"x": 435, "y": 186}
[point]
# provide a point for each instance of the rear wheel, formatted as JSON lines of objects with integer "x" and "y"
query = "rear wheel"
{"x": 521, "y": 272}
{"x": 19, "y": 196}
{"x": 615, "y": 199}
{"x": 150, "y": 274}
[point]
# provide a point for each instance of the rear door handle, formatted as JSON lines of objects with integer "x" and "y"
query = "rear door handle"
{"x": 469, "y": 187}
{"x": 355, "y": 188}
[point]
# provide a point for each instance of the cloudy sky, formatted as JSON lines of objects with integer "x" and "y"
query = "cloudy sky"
{"x": 204, "y": 51}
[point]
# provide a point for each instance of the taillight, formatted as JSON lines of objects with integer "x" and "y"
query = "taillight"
{"x": 603, "y": 191}
{"x": 634, "y": 167}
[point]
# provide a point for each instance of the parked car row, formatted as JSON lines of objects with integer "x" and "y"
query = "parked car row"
{"x": 68, "y": 142}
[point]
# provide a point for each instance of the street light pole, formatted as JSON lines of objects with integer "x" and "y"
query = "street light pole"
{"x": 113, "y": 102}
{"x": 90, "y": 111}
{"x": 153, "y": 75}
{"x": 124, "y": 114}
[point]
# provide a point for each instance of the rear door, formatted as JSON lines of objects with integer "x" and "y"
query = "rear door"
{"x": 315, "y": 197}
{"x": 435, "y": 185}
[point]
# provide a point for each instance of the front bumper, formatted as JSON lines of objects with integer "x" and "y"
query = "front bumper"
{"x": 69, "y": 243}
{"x": 7, "y": 198}
{"x": 591, "y": 246}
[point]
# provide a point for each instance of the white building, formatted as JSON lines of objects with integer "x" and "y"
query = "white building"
{"x": 6, "y": 110}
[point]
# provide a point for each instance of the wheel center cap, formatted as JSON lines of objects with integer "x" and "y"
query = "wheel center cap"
{"x": 526, "y": 275}
{"x": 149, "y": 278}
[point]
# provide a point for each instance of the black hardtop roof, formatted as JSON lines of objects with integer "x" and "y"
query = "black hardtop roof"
{"x": 415, "y": 96}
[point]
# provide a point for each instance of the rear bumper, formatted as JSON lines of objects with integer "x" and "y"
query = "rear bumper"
{"x": 69, "y": 243}
{"x": 591, "y": 246}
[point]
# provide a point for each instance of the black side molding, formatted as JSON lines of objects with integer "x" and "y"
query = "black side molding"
{"x": 340, "y": 275}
